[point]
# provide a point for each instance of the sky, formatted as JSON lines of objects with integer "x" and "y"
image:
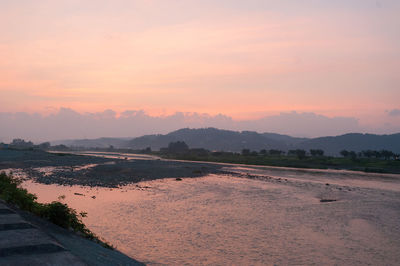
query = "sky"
{"x": 246, "y": 60}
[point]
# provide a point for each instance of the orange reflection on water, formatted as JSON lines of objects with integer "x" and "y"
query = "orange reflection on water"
{"x": 223, "y": 220}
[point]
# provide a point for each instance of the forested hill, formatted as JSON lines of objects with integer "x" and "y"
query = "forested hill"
{"x": 355, "y": 142}
{"x": 215, "y": 139}
{"x": 225, "y": 140}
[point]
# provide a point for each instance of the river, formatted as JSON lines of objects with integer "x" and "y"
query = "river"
{"x": 275, "y": 216}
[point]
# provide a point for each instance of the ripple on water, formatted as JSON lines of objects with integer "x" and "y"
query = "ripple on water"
{"x": 225, "y": 220}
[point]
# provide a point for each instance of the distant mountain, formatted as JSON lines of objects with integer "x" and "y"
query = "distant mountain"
{"x": 95, "y": 143}
{"x": 214, "y": 139}
{"x": 291, "y": 141}
{"x": 355, "y": 142}
{"x": 225, "y": 140}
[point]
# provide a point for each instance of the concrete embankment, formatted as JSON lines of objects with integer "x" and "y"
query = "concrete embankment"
{"x": 28, "y": 240}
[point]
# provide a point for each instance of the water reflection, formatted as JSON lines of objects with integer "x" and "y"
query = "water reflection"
{"x": 223, "y": 220}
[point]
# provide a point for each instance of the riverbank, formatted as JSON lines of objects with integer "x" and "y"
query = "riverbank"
{"x": 270, "y": 216}
{"x": 43, "y": 243}
{"x": 54, "y": 219}
{"x": 113, "y": 170}
{"x": 74, "y": 169}
{"x": 368, "y": 165}
{"x": 297, "y": 215}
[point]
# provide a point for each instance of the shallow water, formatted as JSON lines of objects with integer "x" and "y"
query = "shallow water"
{"x": 222, "y": 220}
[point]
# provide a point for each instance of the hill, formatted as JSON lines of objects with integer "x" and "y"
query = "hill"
{"x": 355, "y": 142}
{"x": 94, "y": 143}
{"x": 214, "y": 139}
{"x": 225, "y": 140}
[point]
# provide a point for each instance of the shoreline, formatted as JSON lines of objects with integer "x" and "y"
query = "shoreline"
{"x": 156, "y": 207}
{"x": 87, "y": 251}
{"x": 284, "y": 163}
{"x": 109, "y": 170}
{"x": 287, "y": 191}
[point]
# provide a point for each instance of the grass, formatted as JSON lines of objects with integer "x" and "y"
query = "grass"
{"x": 321, "y": 162}
{"x": 55, "y": 212}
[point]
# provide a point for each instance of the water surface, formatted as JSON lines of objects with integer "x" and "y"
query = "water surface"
{"x": 222, "y": 219}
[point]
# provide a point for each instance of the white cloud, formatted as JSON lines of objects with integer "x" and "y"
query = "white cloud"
{"x": 69, "y": 124}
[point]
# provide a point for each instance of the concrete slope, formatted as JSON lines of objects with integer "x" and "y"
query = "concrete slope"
{"x": 26, "y": 239}
{"x": 21, "y": 243}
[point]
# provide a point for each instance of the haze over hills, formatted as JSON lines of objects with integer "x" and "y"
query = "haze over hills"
{"x": 226, "y": 140}
{"x": 216, "y": 139}
{"x": 69, "y": 124}
{"x": 354, "y": 141}
{"x": 94, "y": 143}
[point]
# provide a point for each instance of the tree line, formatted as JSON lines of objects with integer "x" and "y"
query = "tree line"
{"x": 382, "y": 154}
{"x": 20, "y": 144}
{"x": 180, "y": 147}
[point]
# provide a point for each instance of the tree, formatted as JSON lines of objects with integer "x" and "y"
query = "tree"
{"x": 21, "y": 144}
{"x": 178, "y": 147}
{"x": 301, "y": 154}
{"x": 367, "y": 153}
{"x": 352, "y": 155}
{"x": 316, "y": 152}
{"x": 344, "y": 153}
{"x": 387, "y": 154}
{"x": 245, "y": 152}
{"x": 263, "y": 152}
{"x": 147, "y": 150}
{"x": 44, "y": 145}
{"x": 376, "y": 154}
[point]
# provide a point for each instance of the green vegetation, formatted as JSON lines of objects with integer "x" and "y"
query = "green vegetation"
{"x": 55, "y": 212}
{"x": 368, "y": 161}
{"x": 20, "y": 144}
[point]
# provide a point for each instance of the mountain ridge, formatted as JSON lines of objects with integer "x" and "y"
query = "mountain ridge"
{"x": 227, "y": 140}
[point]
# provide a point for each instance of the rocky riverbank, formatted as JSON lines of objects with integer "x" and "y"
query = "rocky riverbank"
{"x": 71, "y": 169}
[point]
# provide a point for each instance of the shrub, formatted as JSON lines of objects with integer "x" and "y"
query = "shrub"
{"x": 55, "y": 212}
{"x": 10, "y": 192}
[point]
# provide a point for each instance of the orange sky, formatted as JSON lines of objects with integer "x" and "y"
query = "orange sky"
{"x": 245, "y": 59}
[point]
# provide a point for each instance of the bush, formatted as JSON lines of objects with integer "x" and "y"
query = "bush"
{"x": 10, "y": 192}
{"x": 55, "y": 212}
{"x": 60, "y": 214}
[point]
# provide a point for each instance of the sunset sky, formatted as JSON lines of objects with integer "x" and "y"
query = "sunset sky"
{"x": 244, "y": 59}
